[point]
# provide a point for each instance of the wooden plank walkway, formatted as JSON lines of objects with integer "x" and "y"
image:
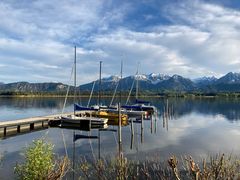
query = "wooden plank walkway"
{"x": 28, "y": 124}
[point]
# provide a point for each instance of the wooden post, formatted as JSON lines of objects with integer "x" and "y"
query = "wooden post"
{"x": 142, "y": 129}
{"x": 151, "y": 124}
{"x": 42, "y": 123}
{"x": 18, "y": 128}
{"x": 119, "y": 129}
{"x": 132, "y": 134}
{"x": 132, "y": 128}
{"x": 99, "y": 145}
{"x": 4, "y": 131}
{"x": 31, "y": 126}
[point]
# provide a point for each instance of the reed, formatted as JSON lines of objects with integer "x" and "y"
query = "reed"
{"x": 41, "y": 163}
{"x": 217, "y": 167}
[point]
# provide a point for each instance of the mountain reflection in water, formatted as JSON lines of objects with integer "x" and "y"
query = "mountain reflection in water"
{"x": 196, "y": 127}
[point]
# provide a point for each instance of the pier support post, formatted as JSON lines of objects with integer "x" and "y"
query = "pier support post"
{"x": 4, "y": 131}
{"x": 32, "y": 126}
{"x": 18, "y": 128}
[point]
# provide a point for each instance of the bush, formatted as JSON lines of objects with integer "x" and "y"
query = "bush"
{"x": 40, "y": 163}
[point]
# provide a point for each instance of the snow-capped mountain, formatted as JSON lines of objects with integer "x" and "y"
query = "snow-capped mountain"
{"x": 141, "y": 77}
{"x": 230, "y": 78}
{"x": 151, "y": 82}
{"x": 153, "y": 77}
{"x": 113, "y": 78}
{"x": 157, "y": 78}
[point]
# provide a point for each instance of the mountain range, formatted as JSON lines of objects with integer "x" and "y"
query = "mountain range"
{"x": 151, "y": 82}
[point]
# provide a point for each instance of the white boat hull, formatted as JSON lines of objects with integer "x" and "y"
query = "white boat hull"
{"x": 79, "y": 120}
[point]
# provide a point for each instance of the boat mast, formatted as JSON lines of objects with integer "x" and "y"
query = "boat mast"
{"x": 100, "y": 84}
{"x": 75, "y": 76}
{"x": 120, "y": 81}
{"x": 137, "y": 86}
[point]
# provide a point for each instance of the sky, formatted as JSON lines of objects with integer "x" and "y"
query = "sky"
{"x": 192, "y": 38}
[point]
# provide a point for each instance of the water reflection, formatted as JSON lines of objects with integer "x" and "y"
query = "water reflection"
{"x": 177, "y": 107}
{"x": 196, "y": 127}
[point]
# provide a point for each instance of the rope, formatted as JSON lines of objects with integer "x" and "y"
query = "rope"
{"x": 64, "y": 104}
{"x": 130, "y": 92}
{"x": 114, "y": 93}
{"x": 132, "y": 86}
{"x": 91, "y": 94}
{"x": 65, "y": 100}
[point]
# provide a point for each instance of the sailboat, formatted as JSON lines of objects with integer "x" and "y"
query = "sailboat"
{"x": 139, "y": 105}
{"x": 103, "y": 111}
{"x": 81, "y": 119}
{"x": 129, "y": 112}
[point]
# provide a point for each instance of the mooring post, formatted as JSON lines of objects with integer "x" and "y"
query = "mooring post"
{"x": 119, "y": 129}
{"x": 132, "y": 134}
{"x": 151, "y": 123}
{"x": 132, "y": 128}
{"x": 142, "y": 129}
{"x": 142, "y": 122}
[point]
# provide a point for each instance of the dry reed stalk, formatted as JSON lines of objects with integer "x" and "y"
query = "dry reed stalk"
{"x": 60, "y": 169}
{"x": 173, "y": 164}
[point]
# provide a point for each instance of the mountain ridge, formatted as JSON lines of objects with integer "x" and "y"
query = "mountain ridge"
{"x": 147, "y": 82}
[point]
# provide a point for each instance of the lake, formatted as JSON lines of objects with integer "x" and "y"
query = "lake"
{"x": 198, "y": 127}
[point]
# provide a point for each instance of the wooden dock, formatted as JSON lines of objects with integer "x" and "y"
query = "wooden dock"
{"x": 13, "y": 127}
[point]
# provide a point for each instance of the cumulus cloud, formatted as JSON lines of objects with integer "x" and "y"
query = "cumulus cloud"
{"x": 37, "y": 39}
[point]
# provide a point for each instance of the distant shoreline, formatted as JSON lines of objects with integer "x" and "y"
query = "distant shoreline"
{"x": 166, "y": 95}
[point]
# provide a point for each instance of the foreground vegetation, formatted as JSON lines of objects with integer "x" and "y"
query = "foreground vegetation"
{"x": 219, "y": 167}
{"x": 40, "y": 163}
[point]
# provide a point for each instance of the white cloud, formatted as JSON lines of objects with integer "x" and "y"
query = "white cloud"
{"x": 203, "y": 39}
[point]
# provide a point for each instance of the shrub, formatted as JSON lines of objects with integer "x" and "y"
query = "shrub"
{"x": 40, "y": 164}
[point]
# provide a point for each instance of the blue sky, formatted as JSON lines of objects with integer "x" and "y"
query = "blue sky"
{"x": 192, "y": 38}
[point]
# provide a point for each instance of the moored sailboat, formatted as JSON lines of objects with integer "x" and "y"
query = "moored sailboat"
{"x": 76, "y": 119}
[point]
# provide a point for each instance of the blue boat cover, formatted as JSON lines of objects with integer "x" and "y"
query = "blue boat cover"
{"x": 77, "y": 107}
{"x": 135, "y": 107}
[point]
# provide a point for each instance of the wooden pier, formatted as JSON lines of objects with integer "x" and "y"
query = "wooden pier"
{"x": 13, "y": 127}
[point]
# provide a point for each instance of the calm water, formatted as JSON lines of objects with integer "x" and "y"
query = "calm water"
{"x": 199, "y": 127}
